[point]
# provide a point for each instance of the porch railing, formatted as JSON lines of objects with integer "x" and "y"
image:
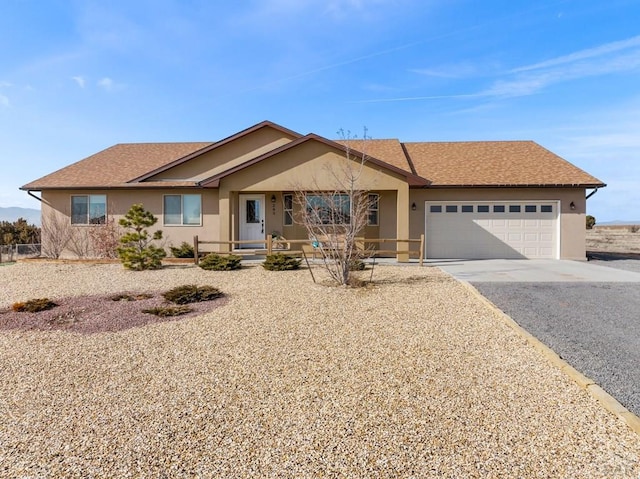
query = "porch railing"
{"x": 269, "y": 246}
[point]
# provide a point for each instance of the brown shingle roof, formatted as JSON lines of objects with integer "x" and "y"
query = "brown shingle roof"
{"x": 116, "y": 165}
{"x": 481, "y": 163}
{"x": 389, "y": 151}
{"x": 494, "y": 163}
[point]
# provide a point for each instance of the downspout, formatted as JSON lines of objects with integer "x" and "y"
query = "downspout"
{"x": 29, "y": 192}
{"x": 595, "y": 190}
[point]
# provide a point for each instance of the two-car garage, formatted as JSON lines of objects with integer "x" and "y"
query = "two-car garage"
{"x": 492, "y": 229}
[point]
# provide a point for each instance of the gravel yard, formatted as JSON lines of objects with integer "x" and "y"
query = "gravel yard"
{"x": 411, "y": 377}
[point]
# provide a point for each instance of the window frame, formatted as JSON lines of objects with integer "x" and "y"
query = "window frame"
{"x": 332, "y": 214}
{"x": 373, "y": 208}
{"x": 182, "y": 210}
{"x": 287, "y": 209}
{"x": 89, "y": 220}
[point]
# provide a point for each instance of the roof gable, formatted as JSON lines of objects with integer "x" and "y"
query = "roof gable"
{"x": 412, "y": 179}
{"x": 238, "y": 156}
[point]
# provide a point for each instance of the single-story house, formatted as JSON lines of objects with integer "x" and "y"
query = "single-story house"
{"x": 483, "y": 199}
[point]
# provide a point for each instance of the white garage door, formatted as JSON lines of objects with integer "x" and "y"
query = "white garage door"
{"x": 497, "y": 229}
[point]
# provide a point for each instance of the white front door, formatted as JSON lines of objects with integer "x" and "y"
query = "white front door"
{"x": 252, "y": 220}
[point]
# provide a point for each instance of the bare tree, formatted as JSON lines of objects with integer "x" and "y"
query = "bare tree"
{"x": 80, "y": 243}
{"x": 105, "y": 239}
{"x": 335, "y": 218}
{"x": 56, "y": 233}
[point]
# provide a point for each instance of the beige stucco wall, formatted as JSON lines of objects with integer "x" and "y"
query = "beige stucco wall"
{"x": 572, "y": 222}
{"x": 228, "y": 155}
{"x": 58, "y": 204}
{"x": 313, "y": 166}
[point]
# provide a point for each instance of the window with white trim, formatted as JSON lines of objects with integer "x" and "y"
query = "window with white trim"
{"x": 182, "y": 210}
{"x": 88, "y": 209}
{"x": 287, "y": 207}
{"x": 373, "y": 209}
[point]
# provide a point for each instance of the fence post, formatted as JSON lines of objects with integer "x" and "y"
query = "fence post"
{"x": 195, "y": 250}
{"x": 421, "y": 248}
{"x": 269, "y": 244}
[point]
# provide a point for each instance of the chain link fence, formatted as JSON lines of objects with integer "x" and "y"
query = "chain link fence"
{"x": 13, "y": 252}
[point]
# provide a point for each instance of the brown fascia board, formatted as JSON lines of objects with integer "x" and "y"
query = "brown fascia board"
{"x": 412, "y": 180}
{"x": 215, "y": 145}
{"x": 152, "y": 186}
{"x": 532, "y": 185}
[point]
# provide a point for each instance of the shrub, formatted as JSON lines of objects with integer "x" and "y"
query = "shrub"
{"x": 357, "y": 265}
{"x": 591, "y": 221}
{"x": 137, "y": 252}
{"x": 190, "y": 293}
{"x": 34, "y": 305}
{"x": 185, "y": 250}
{"x": 130, "y": 297}
{"x": 281, "y": 262}
{"x": 217, "y": 262}
{"x": 166, "y": 311}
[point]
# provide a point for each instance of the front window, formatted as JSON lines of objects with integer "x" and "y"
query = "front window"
{"x": 329, "y": 209}
{"x": 182, "y": 210}
{"x": 89, "y": 209}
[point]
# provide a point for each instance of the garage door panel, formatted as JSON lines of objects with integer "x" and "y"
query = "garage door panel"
{"x": 500, "y": 232}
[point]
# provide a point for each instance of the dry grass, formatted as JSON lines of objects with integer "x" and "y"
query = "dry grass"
{"x": 613, "y": 240}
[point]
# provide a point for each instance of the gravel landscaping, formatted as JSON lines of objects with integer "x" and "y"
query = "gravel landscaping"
{"x": 410, "y": 377}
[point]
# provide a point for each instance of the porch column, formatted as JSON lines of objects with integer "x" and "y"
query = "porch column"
{"x": 402, "y": 222}
{"x": 224, "y": 202}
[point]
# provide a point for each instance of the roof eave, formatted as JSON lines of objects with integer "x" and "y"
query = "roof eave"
{"x": 520, "y": 185}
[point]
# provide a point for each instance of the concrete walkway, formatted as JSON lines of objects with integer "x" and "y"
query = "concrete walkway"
{"x": 532, "y": 271}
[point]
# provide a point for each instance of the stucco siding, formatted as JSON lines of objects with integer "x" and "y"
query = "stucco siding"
{"x": 572, "y": 221}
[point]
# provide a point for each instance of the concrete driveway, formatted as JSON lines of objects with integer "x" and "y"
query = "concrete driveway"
{"x": 588, "y": 313}
{"x": 534, "y": 270}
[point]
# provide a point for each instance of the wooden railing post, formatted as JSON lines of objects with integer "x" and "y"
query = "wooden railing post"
{"x": 196, "y": 258}
{"x": 421, "y": 248}
{"x": 269, "y": 244}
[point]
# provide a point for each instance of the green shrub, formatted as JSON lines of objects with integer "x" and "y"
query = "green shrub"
{"x": 281, "y": 262}
{"x": 167, "y": 311}
{"x": 137, "y": 252}
{"x": 591, "y": 221}
{"x": 190, "y": 293}
{"x": 217, "y": 262}
{"x": 130, "y": 296}
{"x": 357, "y": 265}
{"x": 185, "y": 250}
{"x": 34, "y": 305}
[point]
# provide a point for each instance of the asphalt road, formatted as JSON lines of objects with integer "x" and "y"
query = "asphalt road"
{"x": 594, "y": 326}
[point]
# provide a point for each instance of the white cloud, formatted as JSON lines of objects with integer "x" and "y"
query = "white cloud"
{"x": 106, "y": 83}
{"x": 584, "y": 54}
{"x": 614, "y": 57}
{"x": 80, "y": 80}
{"x": 4, "y": 101}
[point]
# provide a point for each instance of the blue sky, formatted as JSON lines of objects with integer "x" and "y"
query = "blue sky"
{"x": 78, "y": 76}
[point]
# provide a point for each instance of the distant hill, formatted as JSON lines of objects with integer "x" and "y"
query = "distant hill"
{"x": 12, "y": 214}
{"x": 618, "y": 222}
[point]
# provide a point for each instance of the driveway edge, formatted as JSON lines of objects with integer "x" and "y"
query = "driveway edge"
{"x": 609, "y": 402}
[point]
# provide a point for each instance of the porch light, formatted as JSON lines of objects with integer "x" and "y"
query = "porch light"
{"x": 413, "y": 206}
{"x": 273, "y": 198}
{"x": 572, "y": 205}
